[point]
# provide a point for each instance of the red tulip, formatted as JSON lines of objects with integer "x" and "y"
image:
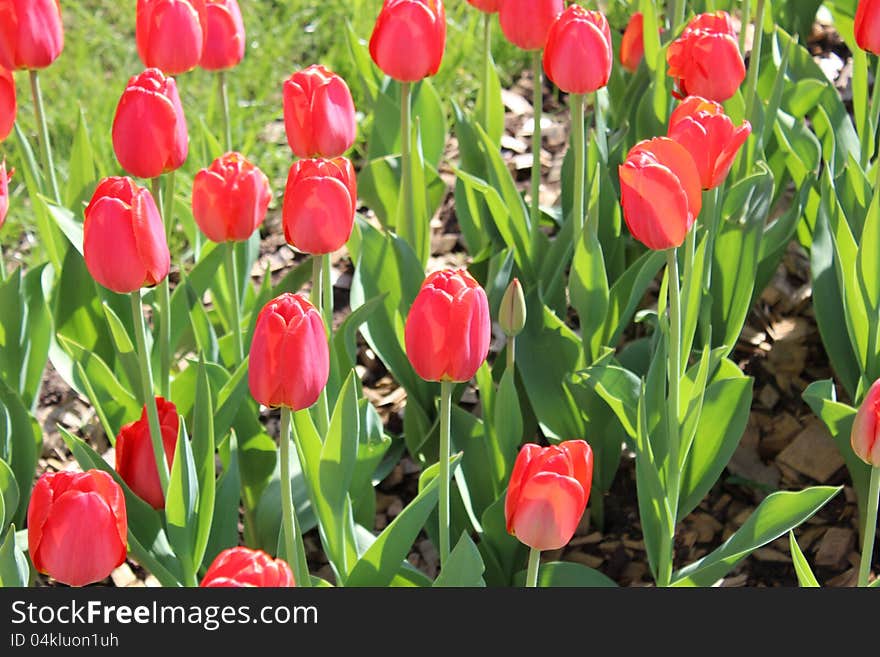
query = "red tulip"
{"x": 865, "y": 436}
{"x": 487, "y": 6}
{"x": 448, "y": 328}
{"x": 632, "y": 45}
{"x": 705, "y": 60}
{"x": 241, "y": 566}
{"x": 123, "y": 237}
{"x": 702, "y": 127}
{"x": 319, "y": 204}
{"x": 526, "y": 23}
{"x": 7, "y": 103}
{"x": 548, "y": 492}
{"x": 135, "y": 461}
{"x": 660, "y": 192}
{"x": 409, "y": 37}
{"x": 171, "y": 34}
{"x": 318, "y": 113}
{"x": 149, "y": 129}
{"x": 230, "y": 198}
{"x": 224, "y": 44}
{"x": 867, "y": 25}
{"x": 289, "y": 360}
{"x": 4, "y": 192}
{"x": 77, "y": 526}
{"x": 31, "y": 33}
{"x": 578, "y": 54}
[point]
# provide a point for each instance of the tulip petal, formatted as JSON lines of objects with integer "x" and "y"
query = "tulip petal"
{"x": 110, "y": 249}
{"x": 425, "y": 334}
{"x": 144, "y": 132}
{"x": 527, "y": 454}
{"x": 175, "y": 38}
{"x": 655, "y": 207}
{"x": 549, "y": 510}
{"x": 149, "y": 236}
{"x": 318, "y": 214}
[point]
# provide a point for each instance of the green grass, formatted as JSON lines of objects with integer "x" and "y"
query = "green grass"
{"x": 282, "y": 37}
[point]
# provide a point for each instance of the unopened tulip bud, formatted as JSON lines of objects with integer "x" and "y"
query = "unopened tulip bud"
{"x": 865, "y": 437}
{"x": 31, "y": 33}
{"x": 243, "y": 567}
{"x": 7, "y": 103}
{"x": 512, "y": 313}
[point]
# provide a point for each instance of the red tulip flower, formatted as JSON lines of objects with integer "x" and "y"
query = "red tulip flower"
{"x": 865, "y": 436}
{"x": 526, "y": 23}
{"x": 224, "y": 44}
{"x": 123, "y": 237}
{"x": 7, "y": 103}
{"x": 548, "y": 492}
{"x": 867, "y": 25}
{"x": 241, "y": 566}
{"x": 4, "y": 192}
{"x": 77, "y": 526}
{"x": 289, "y": 360}
{"x": 318, "y": 113}
{"x": 705, "y": 60}
{"x": 632, "y": 45}
{"x": 319, "y": 204}
{"x": 230, "y": 198}
{"x": 448, "y": 328}
{"x": 660, "y": 192}
{"x": 31, "y": 33}
{"x": 149, "y": 129}
{"x": 409, "y": 38}
{"x": 171, "y": 34}
{"x": 578, "y": 54}
{"x": 135, "y": 461}
{"x": 487, "y": 6}
{"x": 702, "y": 127}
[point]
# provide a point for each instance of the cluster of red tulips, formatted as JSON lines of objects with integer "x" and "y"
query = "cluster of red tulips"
{"x": 669, "y": 186}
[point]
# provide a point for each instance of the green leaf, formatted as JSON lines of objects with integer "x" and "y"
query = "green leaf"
{"x": 567, "y": 574}
{"x": 81, "y": 166}
{"x": 619, "y": 388}
{"x": 464, "y": 566}
{"x": 128, "y": 357}
{"x": 20, "y": 440}
{"x": 14, "y": 569}
{"x": 339, "y": 452}
{"x": 191, "y": 288}
{"x": 384, "y": 558}
{"x": 8, "y": 495}
{"x": 224, "y": 526}
{"x": 182, "y": 504}
{"x": 776, "y": 515}
{"x": 507, "y": 427}
{"x": 203, "y": 460}
{"x": 490, "y": 95}
{"x": 805, "y": 575}
{"x": 588, "y": 289}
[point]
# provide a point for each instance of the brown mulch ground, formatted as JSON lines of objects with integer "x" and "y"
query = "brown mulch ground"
{"x": 784, "y": 446}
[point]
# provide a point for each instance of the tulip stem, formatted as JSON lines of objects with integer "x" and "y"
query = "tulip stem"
{"x": 676, "y": 16}
{"x": 744, "y": 20}
{"x": 674, "y": 369}
{"x": 235, "y": 320}
{"x": 294, "y": 550}
{"x": 45, "y": 145}
{"x": 327, "y": 293}
{"x": 534, "y": 564}
{"x": 224, "y": 108}
{"x": 487, "y": 58}
{"x": 317, "y": 298}
{"x": 137, "y": 315}
{"x": 511, "y": 352}
{"x": 579, "y": 145}
{"x": 166, "y": 206}
{"x": 408, "y": 229}
{"x": 870, "y": 527}
{"x": 445, "y": 418}
{"x": 538, "y": 106}
{"x": 752, "y": 78}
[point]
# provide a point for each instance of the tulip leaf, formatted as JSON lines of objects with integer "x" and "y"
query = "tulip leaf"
{"x": 203, "y": 457}
{"x": 507, "y": 427}
{"x": 14, "y": 568}
{"x": 691, "y": 293}
{"x": 619, "y": 388}
{"x": 722, "y": 421}
{"x": 8, "y": 495}
{"x": 25, "y": 331}
{"x": 182, "y": 506}
{"x": 147, "y": 540}
{"x": 344, "y": 343}
{"x": 21, "y": 439}
{"x": 81, "y": 165}
{"x": 224, "y": 526}
{"x": 567, "y": 574}
{"x": 802, "y": 569}
{"x": 229, "y": 399}
{"x": 125, "y": 352}
{"x": 588, "y": 289}
{"x": 385, "y": 557}
{"x": 489, "y": 100}
{"x": 464, "y": 566}
{"x": 339, "y": 452}
{"x": 191, "y": 288}
{"x": 776, "y": 515}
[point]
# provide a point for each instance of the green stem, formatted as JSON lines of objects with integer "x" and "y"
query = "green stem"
{"x": 676, "y": 16}
{"x": 599, "y": 128}
{"x": 2, "y": 266}
{"x": 164, "y": 293}
{"x": 868, "y": 139}
{"x": 409, "y": 215}
{"x": 534, "y": 564}
{"x": 751, "y": 82}
{"x": 224, "y": 108}
{"x": 674, "y": 369}
{"x": 137, "y": 315}
{"x": 317, "y": 298}
{"x": 578, "y": 143}
{"x": 232, "y": 283}
{"x": 538, "y": 106}
{"x": 511, "y": 352}
{"x": 45, "y": 145}
{"x": 294, "y": 551}
{"x": 327, "y": 293}
{"x": 746, "y": 17}
{"x": 445, "y": 417}
{"x": 870, "y": 527}
{"x": 487, "y": 58}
